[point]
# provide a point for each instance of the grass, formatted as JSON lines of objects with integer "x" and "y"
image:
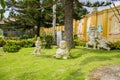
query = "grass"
{"x": 23, "y": 65}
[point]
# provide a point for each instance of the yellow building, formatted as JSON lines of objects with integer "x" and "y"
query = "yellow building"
{"x": 106, "y": 22}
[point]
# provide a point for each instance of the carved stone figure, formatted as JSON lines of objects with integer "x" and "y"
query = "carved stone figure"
{"x": 93, "y": 33}
{"x": 96, "y": 40}
{"x": 37, "y": 46}
{"x": 62, "y": 51}
{"x": 103, "y": 43}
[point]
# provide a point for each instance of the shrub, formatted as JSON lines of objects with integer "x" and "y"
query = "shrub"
{"x": 16, "y": 45}
{"x": 82, "y": 43}
{"x": 115, "y": 45}
{"x": 27, "y": 43}
{"x": 76, "y": 42}
{"x": 25, "y": 36}
{"x": 75, "y": 36}
{"x": 49, "y": 41}
{"x": 14, "y": 38}
{"x": 79, "y": 43}
{"x": 11, "y": 46}
{"x": 2, "y": 41}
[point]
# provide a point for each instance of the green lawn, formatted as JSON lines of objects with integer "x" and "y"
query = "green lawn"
{"x": 26, "y": 66}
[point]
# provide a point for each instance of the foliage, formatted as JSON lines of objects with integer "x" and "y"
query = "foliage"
{"x": 11, "y": 46}
{"x": 2, "y": 41}
{"x": 31, "y": 13}
{"x": 79, "y": 43}
{"x": 76, "y": 42}
{"x": 2, "y": 8}
{"x": 82, "y": 43}
{"x": 115, "y": 45}
{"x": 16, "y": 45}
{"x": 78, "y": 13}
{"x": 96, "y": 4}
{"x": 27, "y": 43}
{"x": 25, "y": 36}
{"x": 75, "y": 36}
{"x": 49, "y": 41}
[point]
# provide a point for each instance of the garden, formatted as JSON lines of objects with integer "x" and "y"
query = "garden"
{"x": 19, "y": 63}
{"x": 29, "y": 48}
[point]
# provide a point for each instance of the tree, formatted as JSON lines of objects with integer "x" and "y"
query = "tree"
{"x": 32, "y": 13}
{"x": 69, "y": 23}
{"x": 118, "y": 12}
{"x": 2, "y": 8}
{"x": 78, "y": 12}
{"x": 36, "y": 17}
{"x": 69, "y": 17}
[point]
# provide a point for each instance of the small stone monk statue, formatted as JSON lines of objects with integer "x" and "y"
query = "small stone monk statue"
{"x": 62, "y": 51}
{"x": 37, "y": 46}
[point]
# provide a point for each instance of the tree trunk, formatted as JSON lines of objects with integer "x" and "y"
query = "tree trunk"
{"x": 54, "y": 23}
{"x": 33, "y": 32}
{"x": 38, "y": 31}
{"x": 69, "y": 23}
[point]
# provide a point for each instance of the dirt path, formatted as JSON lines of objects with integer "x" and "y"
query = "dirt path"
{"x": 106, "y": 73}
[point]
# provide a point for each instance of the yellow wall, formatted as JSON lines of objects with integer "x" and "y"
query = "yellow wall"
{"x": 105, "y": 23}
{"x": 106, "y": 18}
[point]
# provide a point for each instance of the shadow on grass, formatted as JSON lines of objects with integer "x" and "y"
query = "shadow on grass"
{"x": 28, "y": 75}
{"x": 77, "y": 55}
{"x": 116, "y": 56}
{"x": 94, "y": 58}
{"x": 75, "y": 75}
{"x": 44, "y": 56}
{"x": 102, "y": 51}
{"x": 83, "y": 51}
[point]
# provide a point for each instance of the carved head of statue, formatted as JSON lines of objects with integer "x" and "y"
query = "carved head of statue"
{"x": 38, "y": 38}
{"x": 63, "y": 44}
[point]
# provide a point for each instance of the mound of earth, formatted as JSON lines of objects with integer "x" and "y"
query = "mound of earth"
{"x": 106, "y": 73}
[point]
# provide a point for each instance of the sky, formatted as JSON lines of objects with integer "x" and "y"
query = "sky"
{"x": 117, "y": 2}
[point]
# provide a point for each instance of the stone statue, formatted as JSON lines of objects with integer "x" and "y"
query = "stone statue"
{"x": 37, "y": 46}
{"x": 92, "y": 36}
{"x": 103, "y": 43}
{"x": 96, "y": 40}
{"x": 62, "y": 51}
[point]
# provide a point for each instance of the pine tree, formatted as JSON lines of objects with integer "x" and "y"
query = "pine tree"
{"x": 2, "y": 8}
{"x": 30, "y": 13}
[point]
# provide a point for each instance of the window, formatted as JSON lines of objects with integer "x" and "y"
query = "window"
{"x": 100, "y": 28}
{"x": 116, "y": 27}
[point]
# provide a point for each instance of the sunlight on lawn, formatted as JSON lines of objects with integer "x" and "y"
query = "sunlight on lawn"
{"x": 23, "y": 65}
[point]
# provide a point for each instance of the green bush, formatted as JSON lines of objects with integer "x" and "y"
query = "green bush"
{"x": 11, "y": 46}
{"x": 115, "y": 45}
{"x": 25, "y": 36}
{"x": 82, "y": 43}
{"x": 76, "y": 42}
{"x": 79, "y": 43}
{"x": 49, "y": 41}
{"x": 27, "y": 43}
{"x": 16, "y": 45}
{"x": 2, "y": 41}
{"x": 75, "y": 36}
